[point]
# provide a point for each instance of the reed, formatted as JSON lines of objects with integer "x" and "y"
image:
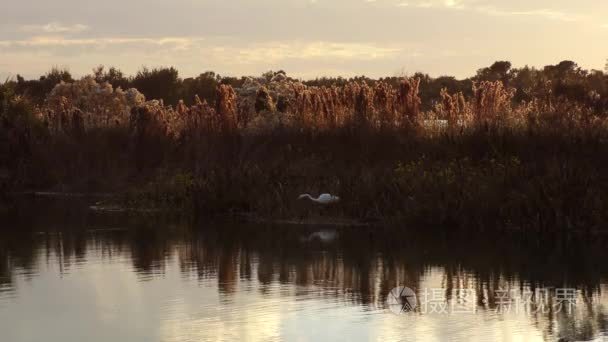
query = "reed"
{"x": 469, "y": 161}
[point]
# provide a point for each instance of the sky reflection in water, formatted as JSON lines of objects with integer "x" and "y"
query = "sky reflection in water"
{"x": 75, "y": 281}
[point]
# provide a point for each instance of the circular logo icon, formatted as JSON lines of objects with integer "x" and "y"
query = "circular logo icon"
{"x": 401, "y": 300}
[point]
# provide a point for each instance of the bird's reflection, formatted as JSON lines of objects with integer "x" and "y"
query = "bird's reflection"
{"x": 358, "y": 266}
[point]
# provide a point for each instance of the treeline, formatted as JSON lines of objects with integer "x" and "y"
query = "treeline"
{"x": 157, "y": 83}
{"x": 564, "y": 80}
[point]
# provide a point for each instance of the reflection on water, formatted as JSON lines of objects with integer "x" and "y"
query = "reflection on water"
{"x": 99, "y": 278}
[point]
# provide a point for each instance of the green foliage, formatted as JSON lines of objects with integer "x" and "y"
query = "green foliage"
{"x": 204, "y": 86}
{"x": 499, "y": 71}
{"x": 158, "y": 84}
{"x": 36, "y": 90}
{"x": 113, "y": 76}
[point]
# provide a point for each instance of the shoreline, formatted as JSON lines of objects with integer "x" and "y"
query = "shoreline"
{"x": 331, "y": 222}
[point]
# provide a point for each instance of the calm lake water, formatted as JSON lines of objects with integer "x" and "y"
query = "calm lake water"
{"x": 68, "y": 274}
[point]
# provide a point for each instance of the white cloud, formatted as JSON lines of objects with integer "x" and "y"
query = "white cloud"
{"x": 449, "y": 4}
{"x": 255, "y": 52}
{"x": 55, "y": 27}
{"x": 310, "y": 50}
{"x": 477, "y": 6}
{"x": 543, "y": 13}
{"x": 61, "y": 41}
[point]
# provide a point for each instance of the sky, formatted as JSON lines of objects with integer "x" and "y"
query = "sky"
{"x": 306, "y": 38}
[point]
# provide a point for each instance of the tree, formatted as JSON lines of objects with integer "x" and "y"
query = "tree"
{"x": 113, "y": 76}
{"x": 37, "y": 90}
{"x": 499, "y": 71}
{"x": 159, "y": 83}
{"x": 568, "y": 80}
{"x": 526, "y": 81}
{"x": 204, "y": 86}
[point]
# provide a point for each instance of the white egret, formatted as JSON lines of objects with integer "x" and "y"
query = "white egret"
{"x": 323, "y": 199}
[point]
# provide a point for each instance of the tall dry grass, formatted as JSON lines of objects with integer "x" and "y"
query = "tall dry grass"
{"x": 261, "y": 105}
{"x": 474, "y": 161}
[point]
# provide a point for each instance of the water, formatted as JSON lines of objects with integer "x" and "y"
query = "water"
{"x": 71, "y": 275}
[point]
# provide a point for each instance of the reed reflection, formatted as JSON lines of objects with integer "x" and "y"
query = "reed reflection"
{"x": 356, "y": 266}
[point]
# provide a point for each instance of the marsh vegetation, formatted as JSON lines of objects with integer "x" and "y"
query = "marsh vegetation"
{"x": 509, "y": 148}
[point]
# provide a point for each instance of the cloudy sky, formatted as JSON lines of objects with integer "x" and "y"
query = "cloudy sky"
{"x": 307, "y": 38}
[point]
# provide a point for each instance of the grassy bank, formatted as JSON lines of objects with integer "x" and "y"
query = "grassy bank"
{"x": 474, "y": 179}
{"x": 540, "y": 166}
